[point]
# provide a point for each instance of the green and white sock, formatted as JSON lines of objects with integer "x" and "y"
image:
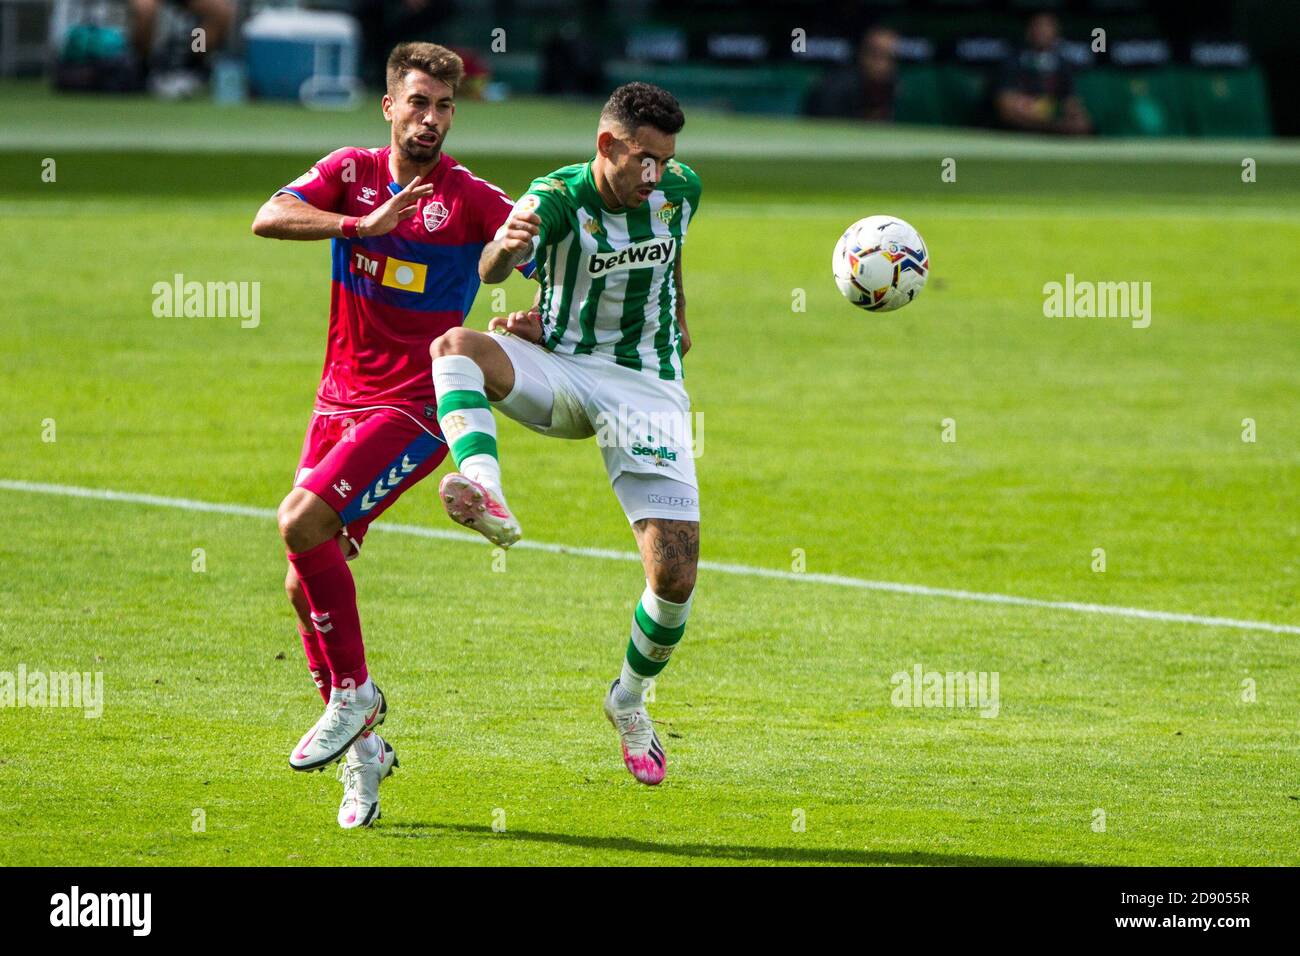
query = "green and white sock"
{"x": 466, "y": 419}
{"x": 657, "y": 626}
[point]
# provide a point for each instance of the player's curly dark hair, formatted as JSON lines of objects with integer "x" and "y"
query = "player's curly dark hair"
{"x": 439, "y": 62}
{"x": 643, "y": 104}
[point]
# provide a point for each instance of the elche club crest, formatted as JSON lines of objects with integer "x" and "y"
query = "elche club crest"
{"x": 435, "y": 214}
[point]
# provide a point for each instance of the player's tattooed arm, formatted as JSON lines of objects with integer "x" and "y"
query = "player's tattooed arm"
{"x": 501, "y": 255}
{"x": 681, "y": 306}
{"x": 285, "y": 216}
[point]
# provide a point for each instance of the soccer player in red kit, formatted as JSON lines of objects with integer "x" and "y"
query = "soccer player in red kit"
{"x": 407, "y": 223}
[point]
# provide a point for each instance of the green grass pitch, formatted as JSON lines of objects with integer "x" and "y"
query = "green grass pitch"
{"x": 822, "y": 449}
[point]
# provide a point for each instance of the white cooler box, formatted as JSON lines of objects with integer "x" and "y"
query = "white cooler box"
{"x": 307, "y": 55}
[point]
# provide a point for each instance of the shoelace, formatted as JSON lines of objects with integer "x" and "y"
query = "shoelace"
{"x": 351, "y": 778}
{"x": 636, "y": 728}
{"x": 332, "y": 718}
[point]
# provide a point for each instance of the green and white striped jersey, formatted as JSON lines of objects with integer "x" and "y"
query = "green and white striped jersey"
{"x": 607, "y": 277}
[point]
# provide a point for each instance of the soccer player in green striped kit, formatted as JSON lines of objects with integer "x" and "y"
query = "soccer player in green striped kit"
{"x": 599, "y": 355}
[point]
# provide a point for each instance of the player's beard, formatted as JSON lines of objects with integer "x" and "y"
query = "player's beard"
{"x": 420, "y": 154}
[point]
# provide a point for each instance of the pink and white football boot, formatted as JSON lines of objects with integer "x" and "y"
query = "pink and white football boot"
{"x": 642, "y": 752}
{"x": 477, "y": 507}
{"x": 345, "y": 719}
{"x": 361, "y": 778}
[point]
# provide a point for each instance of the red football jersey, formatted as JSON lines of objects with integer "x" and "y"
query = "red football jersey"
{"x": 392, "y": 295}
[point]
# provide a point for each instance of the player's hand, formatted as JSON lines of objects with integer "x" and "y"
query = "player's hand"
{"x": 685, "y": 340}
{"x": 526, "y": 325}
{"x": 401, "y": 206}
{"x": 521, "y": 228}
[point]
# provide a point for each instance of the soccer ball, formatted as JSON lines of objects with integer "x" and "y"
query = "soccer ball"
{"x": 880, "y": 263}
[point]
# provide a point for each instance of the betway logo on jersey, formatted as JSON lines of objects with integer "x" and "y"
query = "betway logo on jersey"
{"x": 388, "y": 270}
{"x": 638, "y": 255}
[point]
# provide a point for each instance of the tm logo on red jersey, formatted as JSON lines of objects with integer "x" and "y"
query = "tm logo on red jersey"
{"x": 388, "y": 270}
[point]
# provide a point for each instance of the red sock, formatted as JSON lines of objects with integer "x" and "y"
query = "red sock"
{"x": 332, "y": 594}
{"x": 316, "y": 663}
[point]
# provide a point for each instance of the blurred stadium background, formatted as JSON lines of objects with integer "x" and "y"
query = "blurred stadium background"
{"x": 1075, "y": 434}
{"x": 1196, "y": 68}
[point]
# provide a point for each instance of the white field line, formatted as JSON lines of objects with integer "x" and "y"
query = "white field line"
{"x": 726, "y": 208}
{"x": 741, "y": 570}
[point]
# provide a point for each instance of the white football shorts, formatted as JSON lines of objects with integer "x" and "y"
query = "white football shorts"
{"x": 641, "y": 423}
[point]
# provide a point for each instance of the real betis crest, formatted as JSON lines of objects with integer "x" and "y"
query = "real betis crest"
{"x": 665, "y": 213}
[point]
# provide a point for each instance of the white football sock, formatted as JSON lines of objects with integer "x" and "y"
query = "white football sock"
{"x": 466, "y": 419}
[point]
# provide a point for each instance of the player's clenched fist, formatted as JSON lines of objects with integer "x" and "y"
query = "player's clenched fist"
{"x": 401, "y": 206}
{"x": 518, "y": 233}
{"x": 526, "y": 325}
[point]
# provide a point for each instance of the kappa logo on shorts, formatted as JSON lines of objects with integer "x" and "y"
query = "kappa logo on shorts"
{"x": 676, "y": 501}
{"x": 387, "y": 483}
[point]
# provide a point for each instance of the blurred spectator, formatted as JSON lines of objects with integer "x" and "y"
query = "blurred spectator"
{"x": 386, "y": 23}
{"x": 573, "y": 63}
{"x": 477, "y": 75}
{"x": 1036, "y": 89}
{"x": 865, "y": 91}
{"x": 215, "y": 19}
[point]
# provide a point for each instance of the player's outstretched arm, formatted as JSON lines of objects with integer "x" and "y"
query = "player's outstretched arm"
{"x": 514, "y": 246}
{"x": 285, "y": 216}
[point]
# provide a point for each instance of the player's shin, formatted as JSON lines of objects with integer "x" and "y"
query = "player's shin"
{"x": 316, "y": 664}
{"x": 466, "y": 419}
{"x": 332, "y": 594}
{"x": 657, "y": 627}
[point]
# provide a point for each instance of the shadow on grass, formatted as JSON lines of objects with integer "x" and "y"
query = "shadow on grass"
{"x": 708, "y": 851}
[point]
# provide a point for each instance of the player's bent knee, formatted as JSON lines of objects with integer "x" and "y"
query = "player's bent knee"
{"x": 305, "y": 521}
{"x": 457, "y": 341}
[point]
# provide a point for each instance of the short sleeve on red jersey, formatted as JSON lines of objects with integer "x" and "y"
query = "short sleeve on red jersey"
{"x": 322, "y": 185}
{"x": 493, "y": 208}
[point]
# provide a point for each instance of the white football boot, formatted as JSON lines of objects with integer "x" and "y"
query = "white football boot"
{"x": 643, "y": 754}
{"x": 361, "y": 778}
{"x": 475, "y": 506}
{"x": 342, "y": 723}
